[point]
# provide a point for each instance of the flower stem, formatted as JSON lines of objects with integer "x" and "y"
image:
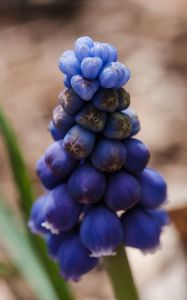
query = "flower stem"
{"x": 120, "y": 275}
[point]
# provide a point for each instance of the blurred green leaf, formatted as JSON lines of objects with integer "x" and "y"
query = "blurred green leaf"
{"x": 26, "y": 193}
{"x": 20, "y": 250}
{"x": 19, "y": 170}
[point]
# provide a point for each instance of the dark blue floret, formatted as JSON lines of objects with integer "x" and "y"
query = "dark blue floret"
{"x": 106, "y": 100}
{"x": 62, "y": 212}
{"x": 53, "y": 242}
{"x": 74, "y": 258}
{"x": 83, "y": 87}
{"x": 90, "y": 67}
{"x": 91, "y": 118}
{"x": 135, "y": 123}
{"x": 61, "y": 119}
{"x": 38, "y": 216}
{"x": 101, "y": 231}
{"x": 70, "y": 101}
{"x": 69, "y": 64}
{"x": 118, "y": 126}
{"x": 137, "y": 155}
{"x": 59, "y": 161}
{"x": 153, "y": 188}
{"x": 56, "y": 133}
{"x": 86, "y": 184}
{"x": 46, "y": 175}
{"x": 142, "y": 228}
{"x": 122, "y": 191}
{"x": 108, "y": 155}
{"x": 79, "y": 142}
{"x": 124, "y": 99}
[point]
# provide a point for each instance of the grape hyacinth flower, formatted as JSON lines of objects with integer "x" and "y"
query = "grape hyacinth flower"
{"x": 100, "y": 195}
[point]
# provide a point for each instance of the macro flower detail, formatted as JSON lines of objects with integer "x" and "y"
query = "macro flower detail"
{"x": 99, "y": 192}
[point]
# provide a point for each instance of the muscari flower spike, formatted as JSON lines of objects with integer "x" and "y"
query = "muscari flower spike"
{"x": 99, "y": 192}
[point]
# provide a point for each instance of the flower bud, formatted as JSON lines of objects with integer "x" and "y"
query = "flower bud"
{"x": 37, "y": 216}
{"x": 135, "y": 123}
{"x": 79, "y": 142}
{"x": 91, "y": 66}
{"x": 123, "y": 77}
{"x": 70, "y": 101}
{"x": 57, "y": 134}
{"x": 137, "y": 155}
{"x": 59, "y": 161}
{"x": 86, "y": 184}
{"x": 69, "y": 64}
{"x": 61, "y": 119}
{"x": 53, "y": 242}
{"x": 122, "y": 191}
{"x": 124, "y": 99}
{"x": 46, "y": 175}
{"x": 108, "y": 155}
{"x": 118, "y": 126}
{"x": 101, "y": 231}
{"x": 113, "y": 54}
{"x": 100, "y": 50}
{"x": 114, "y": 75}
{"x": 62, "y": 212}
{"x": 106, "y": 100}
{"x": 142, "y": 227}
{"x": 91, "y": 118}
{"x": 85, "y": 40}
{"x": 67, "y": 81}
{"x": 74, "y": 259}
{"x": 153, "y": 188}
{"x": 83, "y": 87}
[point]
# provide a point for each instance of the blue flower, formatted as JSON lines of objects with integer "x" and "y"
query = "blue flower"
{"x": 79, "y": 142}
{"x": 53, "y": 243}
{"x": 153, "y": 188}
{"x": 38, "y": 217}
{"x": 83, "y": 87}
{"x": 91, "y": 118}
{"x": 57, "y": 134}
{"x": 61, "y": 119}
{"x": 101, "y": 231}
{"x": 74, "y": 258}
{"x": 46, "y": 175}
{"x": 106, "y": 100}
{"x": 59, "y": 161}
{"x": 142, "y": 228}
{"x": 69, "y": 64}
{"x": 70, "y": 101}
{"x": 122, "y": 191}
{"x": 137, "y": 155}
{"x": 62, "y": 212}
{"x": 86, "y": 184}
{"x": 90, "y": 67}
{"x": 133, "y": 118}
{"x": 118, "y": 126}
{"x": 124, "y": 99}
{"x": 108, "y": 155}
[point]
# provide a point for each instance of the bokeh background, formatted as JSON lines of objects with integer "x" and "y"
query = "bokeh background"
{"x": 152, "y": 40}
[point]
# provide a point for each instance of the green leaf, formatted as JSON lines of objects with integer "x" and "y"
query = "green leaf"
{"x": 26, "y": 195}
{"x": 21, "y": 177}
{"x": 18, "y": 247}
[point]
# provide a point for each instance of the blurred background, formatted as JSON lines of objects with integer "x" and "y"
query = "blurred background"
{"x": 151, "y": 37}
